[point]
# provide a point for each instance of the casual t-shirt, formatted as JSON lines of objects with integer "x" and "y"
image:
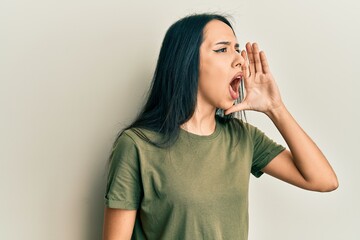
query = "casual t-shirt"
{"x": 196, "y": 189}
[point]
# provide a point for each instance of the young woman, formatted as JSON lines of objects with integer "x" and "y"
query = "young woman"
{"x": 181, "y": 169}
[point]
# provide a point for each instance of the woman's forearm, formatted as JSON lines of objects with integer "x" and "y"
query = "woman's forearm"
{"x": 308, "y": 158}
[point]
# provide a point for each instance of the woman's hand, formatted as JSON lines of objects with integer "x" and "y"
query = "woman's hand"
{"x": 261, "y": 91}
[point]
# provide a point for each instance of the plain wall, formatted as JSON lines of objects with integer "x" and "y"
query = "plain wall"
{"x": 72, "y": 73}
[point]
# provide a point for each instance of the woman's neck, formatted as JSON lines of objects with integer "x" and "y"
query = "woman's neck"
{"x": 202, "y": 122}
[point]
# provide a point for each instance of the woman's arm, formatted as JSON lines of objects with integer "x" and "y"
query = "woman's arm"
{"x": 118, "y": 224}
{"x": 304, "y": 165}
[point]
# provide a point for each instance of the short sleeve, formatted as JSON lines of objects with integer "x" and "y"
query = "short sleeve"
{"x": 124, "y": 188}
{"x": 265, "y": 149}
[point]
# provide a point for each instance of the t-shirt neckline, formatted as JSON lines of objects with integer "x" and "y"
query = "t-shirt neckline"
{"x": 204, "y": 137}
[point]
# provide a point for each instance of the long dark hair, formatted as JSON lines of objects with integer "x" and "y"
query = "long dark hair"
{"x": 172, "y": 95}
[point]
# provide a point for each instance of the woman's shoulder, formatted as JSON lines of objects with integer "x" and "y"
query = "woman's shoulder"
{"x": 131, "y": 139}
{"x": 140, "y": 136}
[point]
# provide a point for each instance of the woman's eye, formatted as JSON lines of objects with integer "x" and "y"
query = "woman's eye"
{"x": 220, "y": 50}
{"x": 224, "y": 50}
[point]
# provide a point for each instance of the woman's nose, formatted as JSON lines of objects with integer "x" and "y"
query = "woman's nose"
{"x": 238, "y": 60}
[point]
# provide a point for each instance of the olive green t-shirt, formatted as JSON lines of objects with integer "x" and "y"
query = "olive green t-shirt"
{"x": 197, "y": 189}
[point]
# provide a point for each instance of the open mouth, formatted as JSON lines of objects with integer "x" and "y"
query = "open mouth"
{"x": 234, "y": 87}
{"x": 235, "y": 84}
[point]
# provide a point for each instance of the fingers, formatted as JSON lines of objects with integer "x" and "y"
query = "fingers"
{"x": 238, "y": 107}
{"x": 258, "y": 60}
{"x": 251, "y": 58}
{"x": 245, "y": 67}
{"x": 264, "y": 62}
{"x": 258, "y": 67}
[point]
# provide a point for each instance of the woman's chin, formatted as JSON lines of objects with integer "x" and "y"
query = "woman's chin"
{"x": 227, "y": 105}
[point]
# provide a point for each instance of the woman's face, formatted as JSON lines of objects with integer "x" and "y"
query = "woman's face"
{"x": 219, "y": 63}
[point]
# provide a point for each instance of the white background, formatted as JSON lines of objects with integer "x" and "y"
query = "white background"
{"x": 72, "y": 73}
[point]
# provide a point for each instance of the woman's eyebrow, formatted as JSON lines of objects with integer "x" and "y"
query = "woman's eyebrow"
{"x": 227, "y": 43}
